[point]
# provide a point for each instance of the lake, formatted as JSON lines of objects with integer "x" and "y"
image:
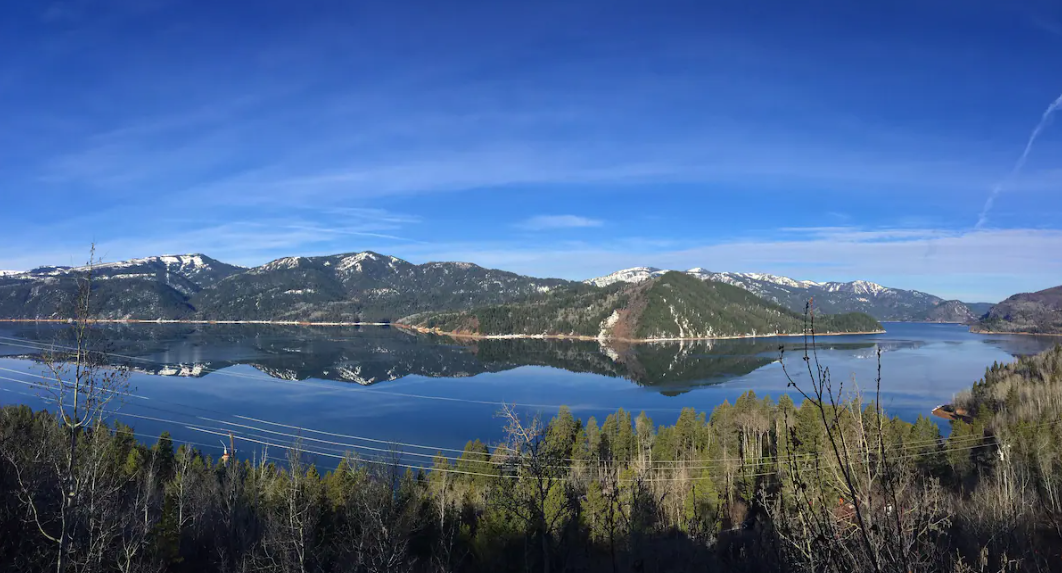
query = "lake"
{"x": 346, "y": 388}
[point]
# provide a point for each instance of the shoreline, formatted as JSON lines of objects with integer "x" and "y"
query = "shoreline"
{"x": 584, "y": 337}
{"x": 176, "y": 321}
{"x": 437, "y": 332}
{"x": 972, "y": 331}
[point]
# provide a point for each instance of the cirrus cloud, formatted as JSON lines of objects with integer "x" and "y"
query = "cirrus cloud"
{"x": 542, "y": 222}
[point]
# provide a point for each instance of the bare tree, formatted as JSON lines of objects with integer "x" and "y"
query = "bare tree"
{"x": 864, "y": 507}
{"x": 77, "y": 380}
{"x": 537, "y": 495}
{"x": 139, "y": 520}
{"x": 383, "y": 507}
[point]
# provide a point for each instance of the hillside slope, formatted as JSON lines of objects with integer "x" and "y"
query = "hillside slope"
{"x": 1037, "y": 312}
{"x": 672, "y": 305}
{"x": 950, "y": 311}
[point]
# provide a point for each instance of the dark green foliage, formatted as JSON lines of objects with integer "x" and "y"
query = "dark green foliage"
{"x": 576, "y": 311}
{"x": 678, "y": 305}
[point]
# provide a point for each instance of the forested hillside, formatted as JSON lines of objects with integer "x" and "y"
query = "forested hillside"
{"x": 951, "y": 311}
{"x": 673, "y": 305}
{"x": 158, "y": 287}
{"x": 1037, "y": 312}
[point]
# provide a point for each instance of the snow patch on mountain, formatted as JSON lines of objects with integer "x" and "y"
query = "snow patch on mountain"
{"x": 279, "y": 264}
{"x": 858, "y": 287}
{"x": 607, "y": 324}
{"x": 183, "y": 263}
{"x": 743, "y": 280}
{"x": 355, "y": 261}
{"x": 632, "y": 275}
{"x": 747, "y": 281}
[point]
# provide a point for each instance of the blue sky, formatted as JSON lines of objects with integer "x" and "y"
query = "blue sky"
{"x": 831, "y": 141}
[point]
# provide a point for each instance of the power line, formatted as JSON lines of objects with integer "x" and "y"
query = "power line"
{"x": 788, "y": 460}
{"x": 926, "y": 443}
{"x": 688, "y": 464}
{"x": 363, "y": 438}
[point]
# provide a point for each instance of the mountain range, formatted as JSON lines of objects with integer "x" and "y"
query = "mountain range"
{"x": 369, "y": 286}
{"x": 883, "y": 303}
{"x": 345, "y": 288}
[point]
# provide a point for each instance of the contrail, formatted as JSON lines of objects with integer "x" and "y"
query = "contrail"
{"x": 1051, "y": 109}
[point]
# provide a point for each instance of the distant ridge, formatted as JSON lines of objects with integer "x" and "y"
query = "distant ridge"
{"x": 1033, "y": 313}
{"x": 883, "y": 303}
{"x": 150, "y": 287}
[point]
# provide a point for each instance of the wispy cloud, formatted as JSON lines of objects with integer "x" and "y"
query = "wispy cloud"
{"x": 1018, "y": 165}
{"x": 857, "y": 234}
{"x": 544, "y": 222}
{"x": 988, "y": 264}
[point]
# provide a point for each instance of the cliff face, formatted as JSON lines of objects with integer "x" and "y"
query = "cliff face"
{"x": 951, "y": 311}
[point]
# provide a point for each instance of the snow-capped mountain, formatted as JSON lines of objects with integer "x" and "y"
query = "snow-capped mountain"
{"x": 361, "y": 286}
{"x": 883, "y": 303}
{"x": 185, "y": 273}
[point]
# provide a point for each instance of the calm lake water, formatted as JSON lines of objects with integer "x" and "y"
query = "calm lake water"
{"x": 333, "y": 386}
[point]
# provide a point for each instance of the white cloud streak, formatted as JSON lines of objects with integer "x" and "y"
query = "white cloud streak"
{"x": 545, "y": 222}
{"x": 1051, "y": 109}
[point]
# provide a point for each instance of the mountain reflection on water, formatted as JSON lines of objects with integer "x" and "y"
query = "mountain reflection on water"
{"x": 370, "y": 355}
